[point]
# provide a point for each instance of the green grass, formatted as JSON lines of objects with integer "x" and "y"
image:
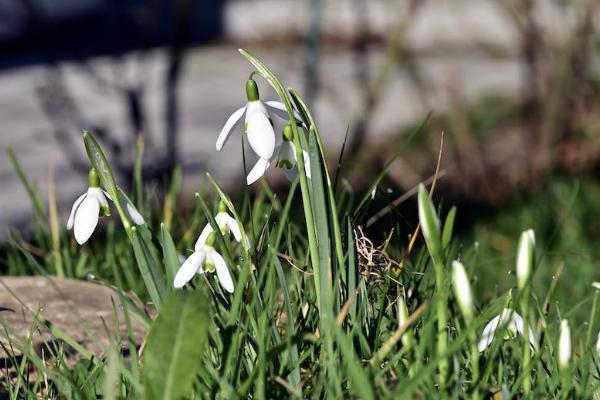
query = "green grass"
{"x": 318, "y": 307}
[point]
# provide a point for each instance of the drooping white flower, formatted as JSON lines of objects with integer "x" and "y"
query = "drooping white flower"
{"x": 258, "y": 124}
{"x": 525, "y": 257}
{"x": 598, "y": 344}
{"x": 564, "y": 345}
{"x": 85, "y": 213}
{"x": 511, "y": 323}
{"x": 204, "y": 259}
{"x": 226, "y": 224}
{"x": 284, "y": 157}
{"x": 462, "y": 290}
{"x": 86, "y": 210}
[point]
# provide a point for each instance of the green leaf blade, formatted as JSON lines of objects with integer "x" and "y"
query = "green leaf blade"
{"x": 175, "y": 346}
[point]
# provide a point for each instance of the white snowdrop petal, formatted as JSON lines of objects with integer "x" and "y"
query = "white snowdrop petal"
{"x": 231, "y": 122}
{"x": 261, "y": 136}
{"x": 222, "y": 219}
{"x": 74, "y": 210}
{"x": 257, "y": 171}
{"x": 188, "y": 269}
{"x": 99, "y": 195}
{"x": 234, "y": 228}
{"x": 488, "y": 334}
{"x": 306, "y": 163}
{"x": 135, "y": 215}
{"x": 287, "y": 151}
{"x": 203, "y": 236}
{"x": 86, "y": 219}
{"x": 222, "y": 271}
{"x": 516, "y": 322}
{"x": 278, "y": 108}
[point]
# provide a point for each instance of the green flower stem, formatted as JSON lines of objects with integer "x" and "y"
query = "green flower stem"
{"x": 474, "y": 366}
{"x": 442, "y": 321}
{"x": 430, "y": 227}
{"x": 266, "y": 73}
{"x": 524, "y": 302}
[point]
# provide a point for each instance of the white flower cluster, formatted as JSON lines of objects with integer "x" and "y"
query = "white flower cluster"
{"x": 258, "y": 126}
{"x": 205, "y": 258}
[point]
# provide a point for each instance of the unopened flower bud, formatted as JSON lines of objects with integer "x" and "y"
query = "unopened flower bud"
{"x": 564, "y": 345}
{"x": 525, "y": 257}
{"x": 430, "y": 223}
{"x": 462, "y": 290}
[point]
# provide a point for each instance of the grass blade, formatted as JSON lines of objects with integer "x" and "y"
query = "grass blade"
{"x": 174, "y": 347}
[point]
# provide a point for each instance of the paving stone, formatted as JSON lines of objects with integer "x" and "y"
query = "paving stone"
{"x": 83, "y": 310}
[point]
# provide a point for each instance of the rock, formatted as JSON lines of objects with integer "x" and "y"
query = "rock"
{"x": 82, "y": 310}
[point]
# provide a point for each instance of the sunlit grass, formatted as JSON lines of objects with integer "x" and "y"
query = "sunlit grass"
{"x": 322, "y": 306}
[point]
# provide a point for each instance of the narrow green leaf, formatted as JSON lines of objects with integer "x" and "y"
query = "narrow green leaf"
{"x": 98, "y": 161}
{"x": 171, "y": 198}
{"x": 32, "y": 191}
{"x": 175, "y": 346}
{"x": 352, "y": 273}
{"x": 137, "y": 173}
{"x": 294, "y": 377}
{"x": 360, "y": 382}
{"x": 144, "y": 267}
{"x": 448, "y": 227}
{"x": 169, "y": 254}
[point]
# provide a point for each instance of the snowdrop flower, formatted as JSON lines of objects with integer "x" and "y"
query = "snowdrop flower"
{"x": 86, "y": 210}
{"x": 258, "y": 124}
{"x": 204, "y": 259}
{"x": 226, "y": 224}
{"x": 462, "y": 290}
{"x": 598, "y": 344}
{"x": 525, "y": 257}
{"x": 513, "y": 326}
{"x": 284, "y": 157}
{"x": 564, "y": 345}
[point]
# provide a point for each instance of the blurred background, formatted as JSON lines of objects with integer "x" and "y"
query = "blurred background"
{"x": 512, "y": 84}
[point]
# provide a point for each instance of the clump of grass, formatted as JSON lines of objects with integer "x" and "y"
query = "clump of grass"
{"x": 318, "y": 309}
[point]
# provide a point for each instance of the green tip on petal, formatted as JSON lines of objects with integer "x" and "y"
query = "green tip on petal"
{"x": 251, "y": 90}
{"x": 285, "y": 164}
{"x": 288, "y": 133}
{"x": 209, "y": 267}
{"x": 93, "y": 179}
{"x": 210, "y": 240}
